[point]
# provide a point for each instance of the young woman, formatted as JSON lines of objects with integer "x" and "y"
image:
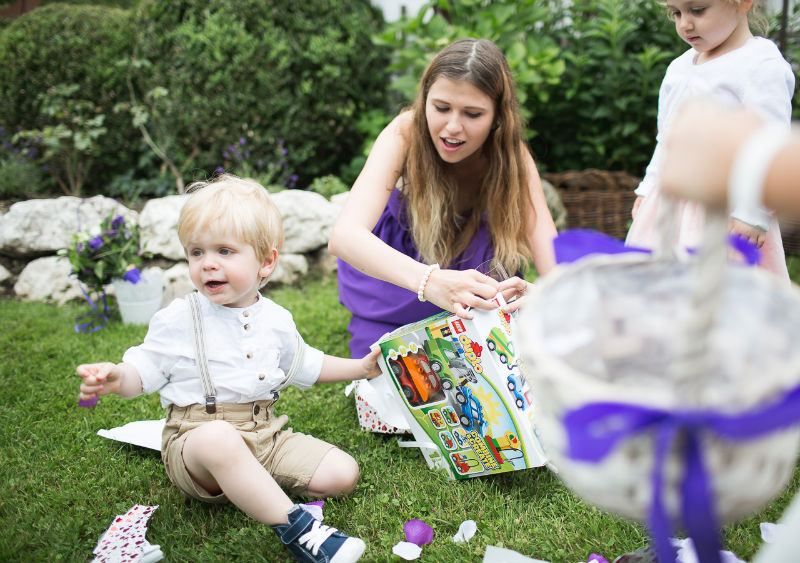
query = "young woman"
{"x": 449, "y": 185}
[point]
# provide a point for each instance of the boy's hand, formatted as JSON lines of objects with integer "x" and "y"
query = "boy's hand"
{"x": 370, "y": 363}
{"x": 98, "y": 379}
{"x": 755, "y": 235}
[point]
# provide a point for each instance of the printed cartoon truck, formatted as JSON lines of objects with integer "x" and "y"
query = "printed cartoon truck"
{"x": 417, "y": 379}
{"x": 500, "y": 344}
{"x": 447, "y": 363}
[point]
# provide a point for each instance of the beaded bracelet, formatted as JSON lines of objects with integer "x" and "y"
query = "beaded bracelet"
{"x": 424, "y": 281}
{"x": 751, "y": 165}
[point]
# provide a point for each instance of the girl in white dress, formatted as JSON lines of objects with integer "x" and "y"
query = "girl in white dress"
{"x": 730, "y": 65}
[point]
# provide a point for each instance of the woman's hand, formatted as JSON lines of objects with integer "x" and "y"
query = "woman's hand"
{"x": 514, "y": 290}
{"x": 458, "y": 291}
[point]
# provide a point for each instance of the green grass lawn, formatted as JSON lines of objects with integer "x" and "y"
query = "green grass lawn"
{"x": 61, "y": 484}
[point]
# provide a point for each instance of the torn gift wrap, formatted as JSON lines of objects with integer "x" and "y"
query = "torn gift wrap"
{"x": 124, "y": 539}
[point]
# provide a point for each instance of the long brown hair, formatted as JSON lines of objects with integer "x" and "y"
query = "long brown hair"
{"x": 440, "y": 235}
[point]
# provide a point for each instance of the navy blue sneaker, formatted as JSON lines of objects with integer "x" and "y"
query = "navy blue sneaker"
{"x": 310, "y": 540}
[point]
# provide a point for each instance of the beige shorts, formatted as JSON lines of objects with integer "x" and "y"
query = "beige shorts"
{"x": 290, "y": 457}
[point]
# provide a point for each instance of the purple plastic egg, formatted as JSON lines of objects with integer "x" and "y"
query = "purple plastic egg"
{"x": 88, "y": 403}
{"x": 418, "y": 532}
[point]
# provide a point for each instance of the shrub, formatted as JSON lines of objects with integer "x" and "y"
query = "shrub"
{"x": 328, "y": 186}
{"x": 70, "y": 139}
{"x": 20, "y": 177}
{"x": 63, "y": 44}
{"x": 616, "y": 54}
{"x": 20, "y": 174}
{"x": 587, "y": 71}
{"x": 262, "y": 71}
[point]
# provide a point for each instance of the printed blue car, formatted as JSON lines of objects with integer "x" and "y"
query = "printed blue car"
{"x": 471, "y": 410}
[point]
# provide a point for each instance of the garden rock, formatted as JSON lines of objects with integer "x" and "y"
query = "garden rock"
{"x": 289, "y": 269}
{"x": 177, "y": 283}
{"x": 324, "y": 261}
{"x": 307, "y": 220}
{"x": 158, "y": 224}
{"x": 48, "y": 279}
{"x": 4, "y": 274}
{"x": 43, "y": 226}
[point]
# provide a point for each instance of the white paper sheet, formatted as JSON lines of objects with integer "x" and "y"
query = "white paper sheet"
{"x": 144, "y": 433}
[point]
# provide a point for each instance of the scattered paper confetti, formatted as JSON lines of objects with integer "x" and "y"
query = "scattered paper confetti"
{"x": 407, "y": 550}
{"x": 465, "y": 531}
{"x": 418, "y": 532}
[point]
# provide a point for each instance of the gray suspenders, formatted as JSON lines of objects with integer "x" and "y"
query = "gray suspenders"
{"x": 202, "y": 362}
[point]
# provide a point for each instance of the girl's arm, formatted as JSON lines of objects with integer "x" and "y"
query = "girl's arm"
{"x": 352, "y": 239}
{"x": 541, "y": 232}
{"x": 335, "y": 368}
{"x": 106, "y": 378}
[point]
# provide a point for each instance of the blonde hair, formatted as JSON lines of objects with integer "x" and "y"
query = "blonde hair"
{"x": 440, "y": 235}
{"x": 757, "y": 17}
{"x": 233, "y": 206}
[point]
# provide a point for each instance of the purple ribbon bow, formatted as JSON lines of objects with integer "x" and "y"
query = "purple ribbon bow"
{"x": 595, "y": 429}
{"x": 573, "y": 244}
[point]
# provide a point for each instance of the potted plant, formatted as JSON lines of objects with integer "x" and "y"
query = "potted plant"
{"x": 111, "y": 254}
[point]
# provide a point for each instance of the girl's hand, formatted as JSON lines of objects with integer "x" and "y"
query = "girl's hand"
{"x": 636, "y": 205}
{"x": 98, "y": 379}
{"x": 458, "y": 291}
{"x": 370, "y": 363}
{"x": 513, "y": 290}
{"x": 755, "y": 235}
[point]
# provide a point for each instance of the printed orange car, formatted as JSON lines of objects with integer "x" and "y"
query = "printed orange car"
{"x": 417, "y": 379}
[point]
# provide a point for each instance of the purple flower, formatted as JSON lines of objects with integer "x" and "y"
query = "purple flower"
{"x": 117, "y": 222}
{"x": 133, "y": 275}
{"x": 242, "y": 141}
{"x": 219, "y": 170}
{"x": 96, "y": 243}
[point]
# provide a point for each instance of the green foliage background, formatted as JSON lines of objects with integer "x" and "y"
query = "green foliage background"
{"x": 61, "y": 45}
{"x": 587, "y": 72}
{"x": 264, "y": 71}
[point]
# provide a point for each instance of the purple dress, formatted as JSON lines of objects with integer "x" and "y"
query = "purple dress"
{"x": 379, "y": 307}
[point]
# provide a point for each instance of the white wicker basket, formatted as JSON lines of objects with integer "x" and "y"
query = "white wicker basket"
{"x": 607, "y": 328}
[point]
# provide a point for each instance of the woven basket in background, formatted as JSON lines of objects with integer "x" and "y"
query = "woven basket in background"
{"x": 596, "y": 199}
{"x": 790, "y": 232}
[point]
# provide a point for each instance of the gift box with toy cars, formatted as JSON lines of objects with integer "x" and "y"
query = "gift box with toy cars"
{"x": 464, "y": 393}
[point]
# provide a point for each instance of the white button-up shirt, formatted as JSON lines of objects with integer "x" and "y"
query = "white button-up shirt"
{"x": 249, "y": 351}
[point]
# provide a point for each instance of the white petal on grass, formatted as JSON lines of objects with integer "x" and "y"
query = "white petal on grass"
{"x": 407, "y": 550}
{"x": 465, "y": 531}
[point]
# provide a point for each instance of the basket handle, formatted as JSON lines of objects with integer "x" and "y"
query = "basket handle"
{"x": 708, "y": 273}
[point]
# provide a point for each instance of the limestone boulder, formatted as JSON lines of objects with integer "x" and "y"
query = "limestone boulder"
{"x": 43, "y": 226}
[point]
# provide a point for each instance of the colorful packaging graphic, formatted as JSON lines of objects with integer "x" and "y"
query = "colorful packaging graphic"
{"x": 465, "y": 394}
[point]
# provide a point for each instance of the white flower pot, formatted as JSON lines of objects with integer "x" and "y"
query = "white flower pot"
{"x": 139, "y": 302}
